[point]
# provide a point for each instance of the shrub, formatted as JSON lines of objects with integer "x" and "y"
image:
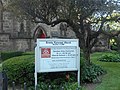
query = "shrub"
{"x": 91, "y": 73}
{"x": 7, "y": 55}
{"x": 110, "y": 58}
{"x": 28, "y": 53}
{"x": 66, "y": 86}
{"x": 20, "y": 69}
{"x": 114, "y": 47}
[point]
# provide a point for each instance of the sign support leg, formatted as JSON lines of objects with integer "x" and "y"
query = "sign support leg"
{"x": 78, "y": 78}
{"x": 35, "y": 74}
{"x": 35, "y": 80}
{"x": 78, "y": 67}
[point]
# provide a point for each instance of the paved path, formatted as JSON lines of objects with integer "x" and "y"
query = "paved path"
{"x": 92, "y": 86}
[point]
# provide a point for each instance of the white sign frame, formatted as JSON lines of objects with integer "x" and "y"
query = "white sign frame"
{"x": 51, "y": 44}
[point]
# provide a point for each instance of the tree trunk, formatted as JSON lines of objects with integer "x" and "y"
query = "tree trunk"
{"x": 87, "y": 56}
{"x": 118, "y": 43}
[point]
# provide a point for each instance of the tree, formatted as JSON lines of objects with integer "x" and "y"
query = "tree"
{"x": 42, "y": 10}
{"x": 112, "y": 30}
{"x": 81, "y": 15}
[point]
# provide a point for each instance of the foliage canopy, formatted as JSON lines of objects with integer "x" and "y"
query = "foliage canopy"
{"x": 81, "y": 15}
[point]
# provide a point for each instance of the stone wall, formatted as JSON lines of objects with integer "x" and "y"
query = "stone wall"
{"x": 20, "y": 44}
{"x": 15, "y": 44}
{"x": 13, "y": 37}
{"x": 102, "y": 44}
{"x": 4, "y": 42}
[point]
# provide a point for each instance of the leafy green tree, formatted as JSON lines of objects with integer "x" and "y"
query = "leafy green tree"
{"x": 81, "y": 15}
{"x": 113, "y": 30}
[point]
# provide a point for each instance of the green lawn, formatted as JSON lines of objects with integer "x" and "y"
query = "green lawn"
{"x": 110, "y": 81}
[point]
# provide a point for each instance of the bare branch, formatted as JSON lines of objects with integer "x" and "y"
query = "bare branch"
{"x": 111, "y": 34}
{"x": 96, "y": 33}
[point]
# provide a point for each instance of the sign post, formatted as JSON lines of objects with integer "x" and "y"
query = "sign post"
{"x": 55, "y": 55}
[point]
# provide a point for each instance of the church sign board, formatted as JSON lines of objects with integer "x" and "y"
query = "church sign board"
{"x": 55, "y": 55}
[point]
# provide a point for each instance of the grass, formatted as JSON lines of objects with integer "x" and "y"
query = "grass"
{"x": 111, "y": 81}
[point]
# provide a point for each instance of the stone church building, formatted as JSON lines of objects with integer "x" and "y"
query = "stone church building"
{"x": 20, "y": 35}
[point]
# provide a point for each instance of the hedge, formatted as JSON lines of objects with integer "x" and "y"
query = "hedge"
{"x": 20, "y": 69}
{"x": 7, "y": 55}
{"x": 114, "y": 57}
